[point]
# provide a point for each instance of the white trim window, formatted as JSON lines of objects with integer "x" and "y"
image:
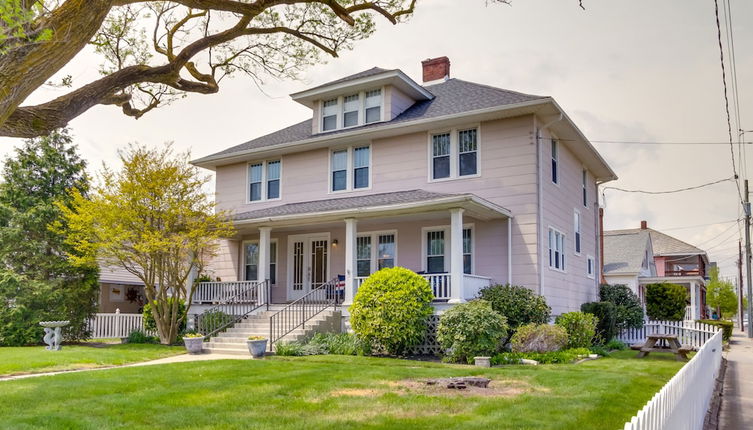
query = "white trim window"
{"x": 577, "y": 230}
{"x": 555, "y": 156}
{"x": 373, "y": 106}
{"x": 453, "y": 154}
{"x": 351, "y": 108}
{"x": 435, "y": 254}
{"x": 329, "y": 115}
{"x": 584, "y": 178}
{"x": 370, "y": 259}
{"x": 350, "y": 169}
{"x": 590, "y": 266}
{"x": 436, "y": 257}
{"x": 556, "y": 249}
{"x": 264, "y": 180}
{"x": 251, "y": 261}
{"x": 467, "y": 251}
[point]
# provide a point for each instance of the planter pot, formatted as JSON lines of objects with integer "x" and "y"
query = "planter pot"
{"x": 257, "y": 347}
{"x": 193, "y": 344}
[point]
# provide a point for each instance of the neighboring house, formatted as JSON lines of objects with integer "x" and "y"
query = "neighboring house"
{"x": 463, "y": 183}
{"x": 642, "y": 256}
{"x": 119, "y": 289}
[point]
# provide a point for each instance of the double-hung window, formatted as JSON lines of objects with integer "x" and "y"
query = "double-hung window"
{"x": 373, "y": 106}
{"x": 350, "y": 168}
{"x": 372, "y": 258}
{"x": 329, "y": 115}
{"x": 351, "y": 106}
{"x": 556, "y": 249}
{"x": 555, "y": 178}
{"x": 352, "y": 110}
{"x": 576, "y": 228}
{"x": 590, "y": 269}
{"x": 584, "y": 177}
{"x": 454, "y": 154}
{"x": 467, "y": 251}
{"x": 437, "y": 251}
{"x": 264, "y": 180}
{"x": 251, "y": 260}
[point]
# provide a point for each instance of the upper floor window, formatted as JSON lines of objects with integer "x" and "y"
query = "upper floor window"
{"x": 264, "y": 180}
{"x": 576, "y": 221}
{"x": 556, "y": 249}
{"x": 584, "y": 177}
{"x": 590, "y": 269}
{"x": 555, "y": 178}
{"x": 454, "y": 154}
{"x": 352, "y": 110}
{"x": 350, "y": 168}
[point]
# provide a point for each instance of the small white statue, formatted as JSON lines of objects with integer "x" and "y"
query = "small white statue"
{"x": 52, "y": 334}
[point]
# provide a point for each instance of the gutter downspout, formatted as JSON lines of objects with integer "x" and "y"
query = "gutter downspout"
{"x": 540, "y": 209}
{"x": 509, "y": 251}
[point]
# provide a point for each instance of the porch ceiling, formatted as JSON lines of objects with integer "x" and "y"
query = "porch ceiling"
{"x": 672, "y": 280}
{"x": 414, "y": 204}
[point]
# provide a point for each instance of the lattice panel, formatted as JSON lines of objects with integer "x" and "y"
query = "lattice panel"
{"x": 429, "y": 346}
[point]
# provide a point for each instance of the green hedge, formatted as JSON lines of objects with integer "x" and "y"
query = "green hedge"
{"x": 470, "y": 330}
{"x": 552, "y": 357}
{"x": 606, "y": 314}
{"x": 666, "y": 302}
{"x": 726, "y": 327}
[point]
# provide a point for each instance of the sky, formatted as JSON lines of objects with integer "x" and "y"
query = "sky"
{"x": 624, "y": 71}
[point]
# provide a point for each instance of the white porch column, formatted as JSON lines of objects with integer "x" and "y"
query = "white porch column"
{"x": 693, "y": 301}
{"x": 263, "y": 269}
{"x": 350, "y": 261}
{"x": 456, "y": 256}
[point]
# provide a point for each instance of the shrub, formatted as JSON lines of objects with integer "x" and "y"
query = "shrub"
{"x": 471, "y": 329}
{"x": 138, "y": 336}
{"x": 391, "y": 309}
{"x": 628, "y": 308}
{"x": 615, "y": 344}
{"x": 666, "y": 302}
{"x": 605, "y": 314}
{"x": 339, "y": 344}
{"x": 519, "y": 305}
{"x": 552, "y": 357}
{"x": 289, "y": 348}
{"x": 212, "y": 320}
{"x": 150, "y": 324}
{"x": 539, "y": 338}
{"x": 580, "y": 327}
{"x": 726, "y": 327}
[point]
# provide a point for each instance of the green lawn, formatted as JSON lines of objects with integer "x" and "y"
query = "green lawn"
{"x": 331, "y": 392}
{"x": 36, "y": 359}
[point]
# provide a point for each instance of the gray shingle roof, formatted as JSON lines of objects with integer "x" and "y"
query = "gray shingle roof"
{"x": 624, "y": 250}
{"x": 365, "y": 74}
{"x": 343, "y": 203}
{"x": 451, "y": 97}
{"x": 664, "y": 244}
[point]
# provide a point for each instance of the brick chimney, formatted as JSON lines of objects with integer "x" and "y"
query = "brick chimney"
{"x": 644, "y": 225}
{"x": 436, "y": 69}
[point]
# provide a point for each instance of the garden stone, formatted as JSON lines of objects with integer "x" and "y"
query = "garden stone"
{"x": 52, "y": 334}
{"x": 482, "y": 361}
{"x": 530, "y": 362}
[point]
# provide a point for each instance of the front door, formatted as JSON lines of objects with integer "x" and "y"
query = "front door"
{"x": 309, "y": 263}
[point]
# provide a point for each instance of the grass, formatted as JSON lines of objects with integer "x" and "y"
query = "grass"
{"x": 331, "y": 392}
{"x": 36, "y": 359}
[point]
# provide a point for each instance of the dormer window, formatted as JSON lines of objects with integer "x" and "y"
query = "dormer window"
{"x": 329, "y": 115}
{"x": 351, "y": 106}
{"x": 373, "y": 106}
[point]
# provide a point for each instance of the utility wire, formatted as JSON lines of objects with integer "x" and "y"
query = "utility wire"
{"x": 698, "y": 225}
{"x": 669, "y": 191}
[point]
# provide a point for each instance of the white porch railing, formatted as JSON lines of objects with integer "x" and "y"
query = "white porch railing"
{"x": 106, "y": 325}
{"x": 441, "y": 284}
{"x": 220, "y": 292}
{"x": 682, "y": 403}
{"x": 688, "y": 332}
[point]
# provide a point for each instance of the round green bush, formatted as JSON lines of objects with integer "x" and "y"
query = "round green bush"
{"x": 151, "y": 325}
{"x": 606, "y": 315}
{"x": 539, "y": 338}
{"x": 391, "y": 309}
{"x": 666, "y": 302}
{"x": 470, "y": 330}
{"x": 580, "y": 328}
{"x": 628, "y": 308}
{"x": 518, "y": 304}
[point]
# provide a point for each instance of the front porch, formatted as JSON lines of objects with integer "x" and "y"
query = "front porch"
{"x": 696, "y": 287}
{"x": 459, "y": 243}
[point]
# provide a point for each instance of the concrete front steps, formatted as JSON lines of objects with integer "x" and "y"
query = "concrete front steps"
{"x": 233, "y": 340}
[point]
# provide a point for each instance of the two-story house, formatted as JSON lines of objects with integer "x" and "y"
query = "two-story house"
{"x": 641, "y": 256}
{"x": 463, "y": 183}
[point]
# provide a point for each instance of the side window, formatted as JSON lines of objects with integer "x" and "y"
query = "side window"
{"x": 554, "y": 162}
{"x": 556, "y": 249}
{"x": 467, "y": 151}
{"x": 590, "y": 267}
{"x": 440, "y": 144}
{"x": 467, "y": 251}
{"x": 576, "y": 220}
{"x": 585, "y": 189}
{"x": 373, "y": 106}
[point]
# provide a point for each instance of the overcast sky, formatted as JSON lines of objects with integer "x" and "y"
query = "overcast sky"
{"x": 623, "y": 70}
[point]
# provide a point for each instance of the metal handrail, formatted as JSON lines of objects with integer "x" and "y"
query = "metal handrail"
{"x": 297, "y": 313}
{"x": 234, "y": 309}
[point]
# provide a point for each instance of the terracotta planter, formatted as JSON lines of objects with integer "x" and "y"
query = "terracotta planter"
{"x": 193, "y": 344}
{"x": 257, "y": 347}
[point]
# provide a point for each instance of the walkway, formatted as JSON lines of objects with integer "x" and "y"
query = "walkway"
{"x": 167, "y": 360}
{"x": 737, "y": 400}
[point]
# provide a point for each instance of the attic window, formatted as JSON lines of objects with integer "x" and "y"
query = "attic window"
{"x": 350, "y": 110}
{"x": 329, "y": 115}
{"x": 373, "y": 106}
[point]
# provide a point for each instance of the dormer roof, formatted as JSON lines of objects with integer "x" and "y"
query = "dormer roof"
{"x": 366, "y": 80}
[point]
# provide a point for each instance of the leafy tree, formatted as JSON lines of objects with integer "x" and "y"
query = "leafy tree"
{"x": 38, "y": 280}
{"x": 154, "y": 219}
{"x": 628, "y": 309}
{"x": 720, "y": 295}
{"x": 666, "y": 302}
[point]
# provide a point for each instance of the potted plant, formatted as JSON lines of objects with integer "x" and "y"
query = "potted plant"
{"x": 193, "y": 342}
{"x": 257, "y": 345}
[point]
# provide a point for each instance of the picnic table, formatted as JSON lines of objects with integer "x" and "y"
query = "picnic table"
{"x": 663, "y": 343}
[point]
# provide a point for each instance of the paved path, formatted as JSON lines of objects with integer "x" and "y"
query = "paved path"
{"x": 737, "y": 400}
{"x": 174, "y": 359}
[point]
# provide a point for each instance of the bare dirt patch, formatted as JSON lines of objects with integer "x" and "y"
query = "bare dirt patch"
{"x": 438, "y": 387}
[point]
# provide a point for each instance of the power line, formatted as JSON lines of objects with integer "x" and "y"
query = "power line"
{"x": 646, "y": 142}
{"x": 697, "y": 225}
{"x": 670, "y": 191}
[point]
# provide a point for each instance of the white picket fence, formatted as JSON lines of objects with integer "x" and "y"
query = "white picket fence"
{"x": 688, "y": 332}
{"x": 104, "y": 326}
{"x": 682, "y": 403}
